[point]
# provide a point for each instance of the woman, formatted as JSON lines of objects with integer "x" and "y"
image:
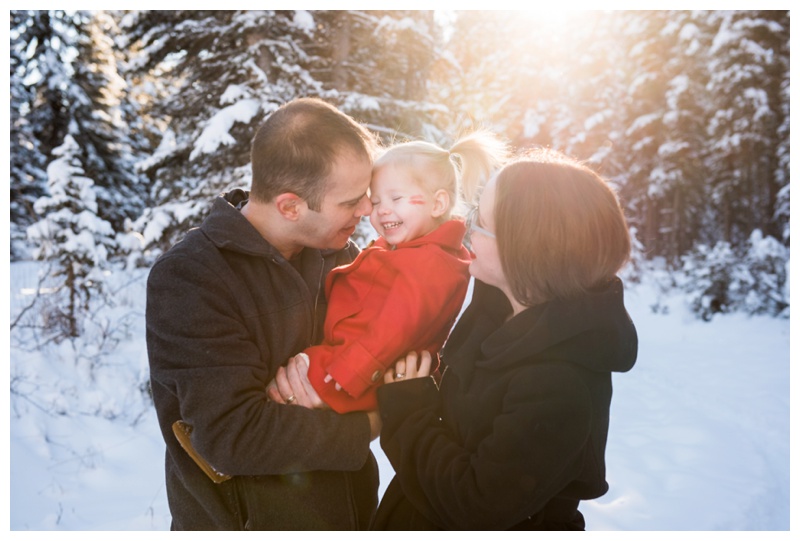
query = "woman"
{"x": 515, "y": 436}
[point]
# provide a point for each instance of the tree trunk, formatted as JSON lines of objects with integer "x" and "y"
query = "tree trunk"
{"x": 341, "y": 42}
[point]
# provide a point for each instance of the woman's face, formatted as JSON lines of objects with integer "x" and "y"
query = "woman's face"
{"x": 485, "y": 265}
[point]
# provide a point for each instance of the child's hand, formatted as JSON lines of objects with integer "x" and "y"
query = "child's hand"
{"x": 329, "y": 378}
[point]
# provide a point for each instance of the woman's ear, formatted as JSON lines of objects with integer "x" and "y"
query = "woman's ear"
{"x": 289, "y": 205}
{"x": 441, "y": 203}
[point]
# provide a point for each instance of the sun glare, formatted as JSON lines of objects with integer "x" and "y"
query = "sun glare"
{"x": 556, "y": 22}
{"x": 548, "y": 17}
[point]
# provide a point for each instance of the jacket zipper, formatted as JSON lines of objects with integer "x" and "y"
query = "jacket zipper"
{"x": 320, "y": 285}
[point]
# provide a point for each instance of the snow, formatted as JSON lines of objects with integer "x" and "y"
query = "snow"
{"x": 699, "y": 436}
{"x": 532, "y": 123}
{"x": 642, "y": 122}
{"x": 304, "y": 20}
{"x": 216, "y": 131}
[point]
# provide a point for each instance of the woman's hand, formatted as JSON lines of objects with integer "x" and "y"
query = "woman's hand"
{"x": 291, "y": 385}
{"x": 412, "y": 366}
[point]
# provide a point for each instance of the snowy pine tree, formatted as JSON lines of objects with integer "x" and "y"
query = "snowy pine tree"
{"x": 375, "y": 66}
{"x": 748, "y": 131}
{"x": 472, "y": 79}
{"x": 226, "y": 70}
{"x": 686, "y": 112}
{"x": 661, "y": 154}
{"x": 73, "y": 238}
{"x": 96, "y": 95}
{"x": 64, "y": 80}
{"x": 752, "y": 278}
{"x": 37, "y": 113}
{"x": 223, "y": 71}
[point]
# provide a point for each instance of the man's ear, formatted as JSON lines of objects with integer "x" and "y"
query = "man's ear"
{"x": 288, "y": 205}
{"x": 441, "y": 203}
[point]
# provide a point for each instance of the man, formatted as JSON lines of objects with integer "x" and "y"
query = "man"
{"x": 230, "y": 303}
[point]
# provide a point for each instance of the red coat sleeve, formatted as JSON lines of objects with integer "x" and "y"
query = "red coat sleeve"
{"x": 409, "y": 301}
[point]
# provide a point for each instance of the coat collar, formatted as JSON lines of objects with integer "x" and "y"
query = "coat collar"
{"x": 449, "y": 236}
{"x": 592, "y": 329}
{"x": 228, "y": 229}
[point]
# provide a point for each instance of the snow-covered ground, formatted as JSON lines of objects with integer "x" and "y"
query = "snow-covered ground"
{"x": 699, "y": 431}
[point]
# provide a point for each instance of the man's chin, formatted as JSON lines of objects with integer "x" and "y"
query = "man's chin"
{"x": 342, "y": 239}
{"x": 348, "y": 232}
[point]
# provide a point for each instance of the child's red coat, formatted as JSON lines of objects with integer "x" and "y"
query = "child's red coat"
{"x": 383, "y": 305}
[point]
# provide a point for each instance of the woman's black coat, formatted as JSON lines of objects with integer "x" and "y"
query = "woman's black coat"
{"x": 515, "y": 437}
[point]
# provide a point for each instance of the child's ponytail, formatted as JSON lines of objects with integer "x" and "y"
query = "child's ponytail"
{"x": 479, "y": 153}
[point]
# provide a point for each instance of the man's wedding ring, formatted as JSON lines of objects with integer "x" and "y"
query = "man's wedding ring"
{"x": 291, "y": 399}
{"x": 399, "y": 376}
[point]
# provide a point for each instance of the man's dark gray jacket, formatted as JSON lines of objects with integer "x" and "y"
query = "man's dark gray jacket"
{"x": 224, "y": 311}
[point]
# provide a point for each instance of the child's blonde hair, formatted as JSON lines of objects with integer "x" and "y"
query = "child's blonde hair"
{"x": 460, "y": 171}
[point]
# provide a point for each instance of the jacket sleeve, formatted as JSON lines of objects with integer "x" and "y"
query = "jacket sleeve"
{"x": 412, "y": 304}
{"x": 533, "y": 451}
{"x": 201, "y": 352}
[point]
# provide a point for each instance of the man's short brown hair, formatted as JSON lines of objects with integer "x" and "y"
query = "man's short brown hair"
{"x": 295, "y": 149}
{"x": 560, "y": 228}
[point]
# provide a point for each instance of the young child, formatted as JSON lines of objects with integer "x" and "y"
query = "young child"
{"x": 404, "y": 291}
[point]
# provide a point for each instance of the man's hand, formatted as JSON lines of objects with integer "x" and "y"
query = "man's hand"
{"x": 291, "y": 385}
{"x": 410, "y": 367}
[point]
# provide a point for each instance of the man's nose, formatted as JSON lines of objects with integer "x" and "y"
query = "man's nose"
{"x": 364, "y": 207}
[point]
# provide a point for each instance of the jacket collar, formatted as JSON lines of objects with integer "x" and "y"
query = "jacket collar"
{"x": 592, "y": 329}
{"x": 449, "y": 236}
{"x": 228, "y": 229}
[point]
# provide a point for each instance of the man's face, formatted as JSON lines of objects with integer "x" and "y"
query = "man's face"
{"x": 344, "y": 204}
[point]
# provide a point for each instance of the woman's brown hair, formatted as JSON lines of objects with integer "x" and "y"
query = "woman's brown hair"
{"x": 560, "y": 228}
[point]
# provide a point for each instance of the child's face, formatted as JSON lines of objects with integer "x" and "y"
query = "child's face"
{"x": 402, "y": 210}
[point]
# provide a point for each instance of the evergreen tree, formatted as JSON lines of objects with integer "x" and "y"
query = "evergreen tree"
{"x": 748, "y": 157}
{"x": 223, "y": 71}
{"x": 661, "y": 154}
{"x": 227, "y": 70}
{"x": 752, "y": 277}
{"x": 376, "y": 65}
{"x": 536, "y": 81}
{"x": 96, "y": 93}
{"x": 37, "y": 113}
{"x": 73, "y": 238}
{"x": 47, "y": 75}
{"x": 487, "y": 76}
{"x": 65, "y": 82}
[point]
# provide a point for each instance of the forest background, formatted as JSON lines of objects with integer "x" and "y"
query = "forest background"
{"x": 124, "y": 125}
